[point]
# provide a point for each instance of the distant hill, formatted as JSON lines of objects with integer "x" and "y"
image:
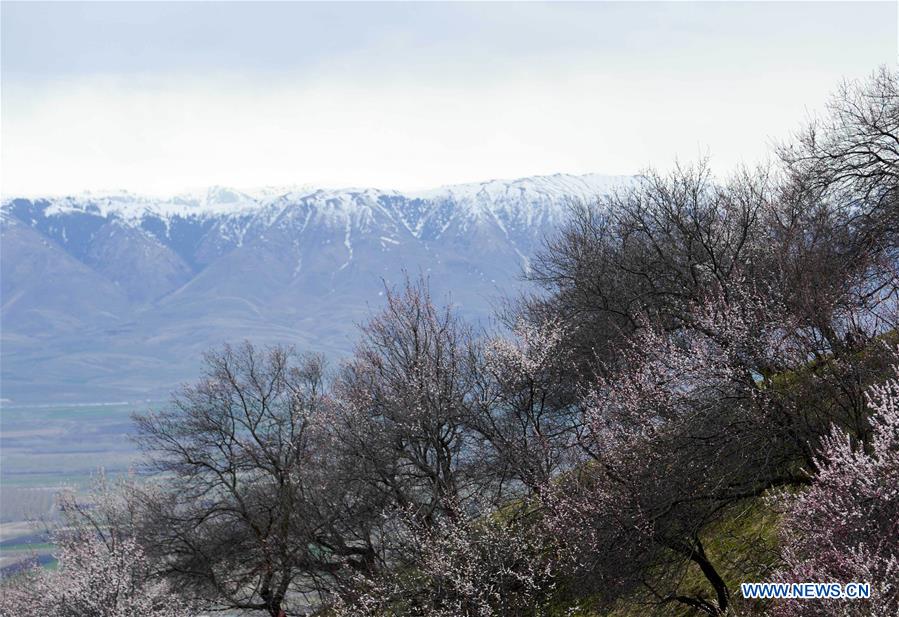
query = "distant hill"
{"x": 115, "y": 297}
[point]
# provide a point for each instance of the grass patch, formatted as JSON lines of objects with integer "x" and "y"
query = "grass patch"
{"x": 743, "y": 546}
{"x": 25, "y": 547}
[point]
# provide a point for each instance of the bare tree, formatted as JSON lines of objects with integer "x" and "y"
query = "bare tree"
{"x": 240, "y": 452}
{"x": 852, "y": 153}
{"x": 834, "y": 253}
{"x": 651, "y": 249}
{"x": 404, "y": 398}
{"x": 524, "y": 411}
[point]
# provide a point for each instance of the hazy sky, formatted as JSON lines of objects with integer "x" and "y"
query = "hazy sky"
{"x": 160, "y": 97}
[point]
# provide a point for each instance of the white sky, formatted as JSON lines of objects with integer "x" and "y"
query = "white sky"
{"x": 163, "y": 97}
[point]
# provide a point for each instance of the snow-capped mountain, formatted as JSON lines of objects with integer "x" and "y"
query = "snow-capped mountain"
{"x": 115, "y": 296}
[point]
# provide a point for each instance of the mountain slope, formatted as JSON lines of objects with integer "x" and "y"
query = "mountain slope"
{"x": 116, "y": 296}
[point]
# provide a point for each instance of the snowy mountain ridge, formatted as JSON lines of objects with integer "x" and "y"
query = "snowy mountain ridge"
{"x": 115, "y": 296}
{"x": 220, "y": 201}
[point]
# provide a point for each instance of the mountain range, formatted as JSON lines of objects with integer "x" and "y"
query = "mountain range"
{"x": 115, "y": 297}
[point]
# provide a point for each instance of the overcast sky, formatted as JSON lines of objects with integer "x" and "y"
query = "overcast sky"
{"x": 161, "y": 97}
